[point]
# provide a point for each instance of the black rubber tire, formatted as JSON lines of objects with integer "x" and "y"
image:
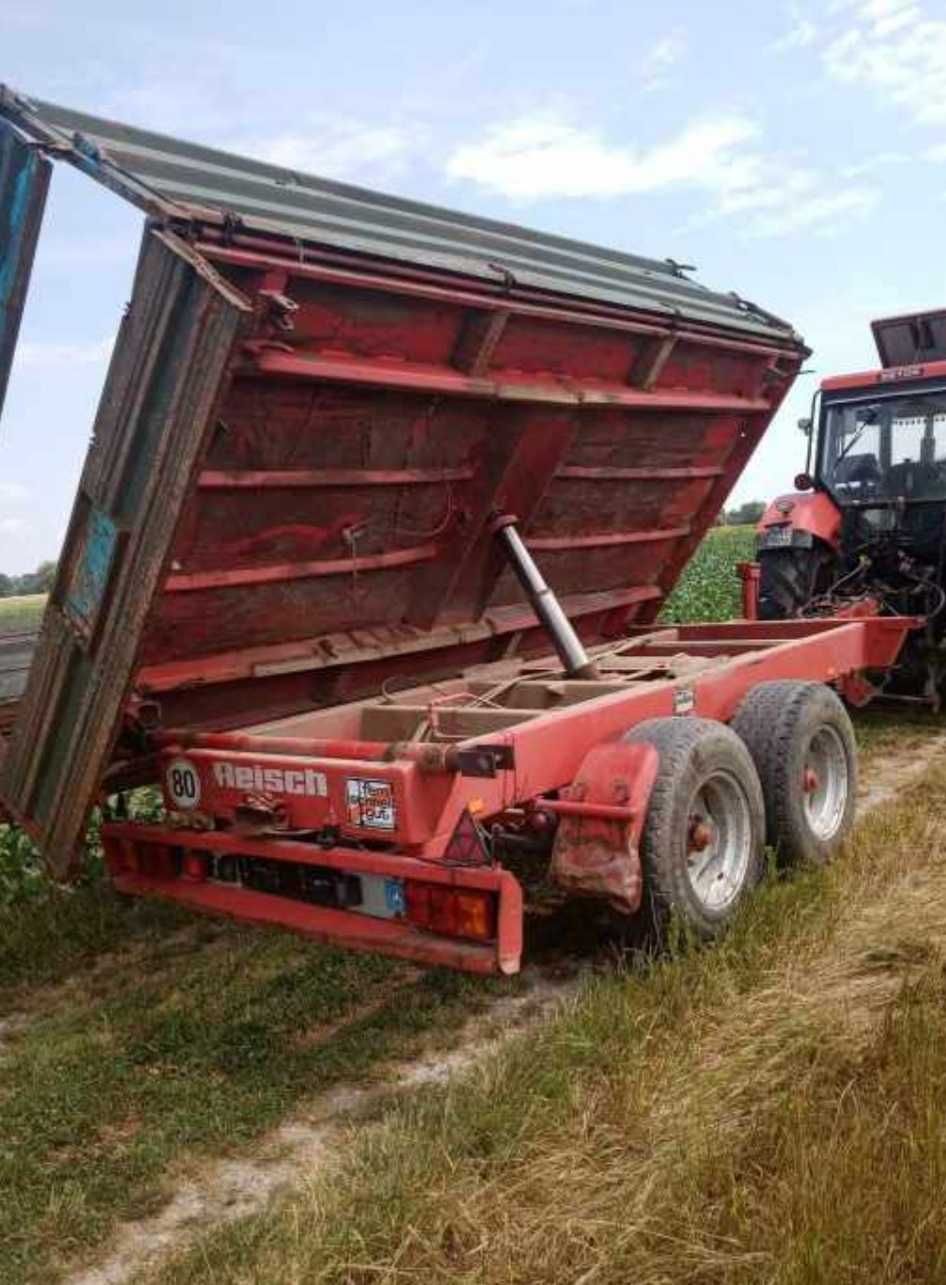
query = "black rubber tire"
{"x": 691, "y": 750}
{"x": 789, "y": 578}
{"x": 777, "y": 721}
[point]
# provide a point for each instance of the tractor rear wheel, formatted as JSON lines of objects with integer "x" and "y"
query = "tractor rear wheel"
{"x": 802, "y": 743}
{"x": 788, "y": 579}
{"x": 702, "y": 845}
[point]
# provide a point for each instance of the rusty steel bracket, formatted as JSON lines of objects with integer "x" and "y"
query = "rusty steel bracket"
{"x": 596, "y": 848}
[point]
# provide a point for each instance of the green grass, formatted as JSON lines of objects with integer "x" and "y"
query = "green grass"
{"x": 21, "y": 614}
{"x": 772, "y": 1110}
{"x": 709, "y": 588}
{"x": 143, "y": 1037}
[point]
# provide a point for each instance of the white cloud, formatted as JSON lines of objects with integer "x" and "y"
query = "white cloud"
{"x": 540, "y": 156}
{"x": 870, "y": 164}
{"x": 800, "y": 35}
{"x": 13, "y": 497}
{"x": 660, "y": 58}
{"x": 37, "y": 356}
{"x": 936, "y": 154}
{"x": 89, "y": 252}
{"x": 896, "y": 49}
{"x": 336, "y": 149}
{"x": 826, "y": 214}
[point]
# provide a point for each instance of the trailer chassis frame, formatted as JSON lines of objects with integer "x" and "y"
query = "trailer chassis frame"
{"x": 566, "y": 767}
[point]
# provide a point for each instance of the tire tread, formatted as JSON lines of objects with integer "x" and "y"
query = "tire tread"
{"x": 767, "y": 721}
{"x": 678, "y": 741}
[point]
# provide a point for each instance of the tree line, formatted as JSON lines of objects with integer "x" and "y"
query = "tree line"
{"x": 38, "y": 581}
{"x": 746, "y": 514}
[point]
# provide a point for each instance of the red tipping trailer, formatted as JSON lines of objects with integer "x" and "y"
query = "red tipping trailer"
{"x": 346, "y": 445}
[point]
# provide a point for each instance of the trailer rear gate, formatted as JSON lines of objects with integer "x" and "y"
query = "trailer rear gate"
{"x": 319, "y": 401}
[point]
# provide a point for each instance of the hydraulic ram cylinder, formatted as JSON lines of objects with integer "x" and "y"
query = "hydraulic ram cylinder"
{"x": 546, "y": 606}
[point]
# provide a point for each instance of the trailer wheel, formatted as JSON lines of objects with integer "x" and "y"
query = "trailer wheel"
{"x": 702, "y": 845}
{"x": 802, "y": 743}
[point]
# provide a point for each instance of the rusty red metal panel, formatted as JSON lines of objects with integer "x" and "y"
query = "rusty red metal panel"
{"x": 357, "y": 932}
{"x": 596, "y": 849}
{"x": 379, "y": 423}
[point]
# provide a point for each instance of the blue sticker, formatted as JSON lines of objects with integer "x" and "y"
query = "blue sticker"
{"x": 394, "y": 896}
{"x": 92, "y": 569}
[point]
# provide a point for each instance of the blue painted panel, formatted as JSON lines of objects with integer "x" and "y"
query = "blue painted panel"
{"x": 93, "y": 567}
{"x": 24, "y": 179}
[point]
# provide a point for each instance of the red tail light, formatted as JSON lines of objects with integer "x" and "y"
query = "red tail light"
{"x": 452, "y": 912}
{"x": 194, "y": 866}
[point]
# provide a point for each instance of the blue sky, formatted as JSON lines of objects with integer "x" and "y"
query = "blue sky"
{"x": 795, "y": 152}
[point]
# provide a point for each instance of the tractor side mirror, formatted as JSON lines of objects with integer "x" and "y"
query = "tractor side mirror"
{"x": 804, "y": 426}
{"x": 804, "y": 482}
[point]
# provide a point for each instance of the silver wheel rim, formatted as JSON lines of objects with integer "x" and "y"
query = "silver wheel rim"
{"x": 825, "y": 782}
{"x": 719, "y": 841}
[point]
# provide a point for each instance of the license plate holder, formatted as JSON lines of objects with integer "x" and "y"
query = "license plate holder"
{"x": 777, "y": 537}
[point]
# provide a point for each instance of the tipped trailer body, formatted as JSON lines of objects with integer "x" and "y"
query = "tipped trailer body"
{"x": 365, "y": 561}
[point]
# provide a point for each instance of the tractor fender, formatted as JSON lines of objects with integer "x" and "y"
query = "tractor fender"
{"x": 601, "y": 819}
{"x": 813, "y": 512}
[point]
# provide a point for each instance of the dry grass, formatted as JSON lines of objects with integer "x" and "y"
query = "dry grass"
{"x": 21, "y": 614}
{"x": 772, "y": 1110}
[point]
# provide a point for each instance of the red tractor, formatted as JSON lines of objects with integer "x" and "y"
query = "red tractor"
{"x": 867, "y": 522}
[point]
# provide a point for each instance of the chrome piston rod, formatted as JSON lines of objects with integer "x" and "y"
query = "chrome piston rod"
{"x": 546, "y": 606}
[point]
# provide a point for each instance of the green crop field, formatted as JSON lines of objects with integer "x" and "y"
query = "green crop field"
{"x": 21, "y": 614}
{"x": 709, "y": 588}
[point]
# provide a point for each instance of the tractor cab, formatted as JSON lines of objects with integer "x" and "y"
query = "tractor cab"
{"x": 884, "y": 448}
{"x": 868, "y": 521}
{"x": 882, "y": 433}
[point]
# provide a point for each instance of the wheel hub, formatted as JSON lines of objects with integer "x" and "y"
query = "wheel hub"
{"x": 701, "y": 834}
{"x": 719, "y": 841}
{"x": 825, "y": 782}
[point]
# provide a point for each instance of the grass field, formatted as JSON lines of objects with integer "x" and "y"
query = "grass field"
{"x": 771, "y": 1110}
{"x": 709, "y": 589}
{"x": 694, "y": 1121}
{"x": 136, "y": 1040}
{"x": 22, "y": 614}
